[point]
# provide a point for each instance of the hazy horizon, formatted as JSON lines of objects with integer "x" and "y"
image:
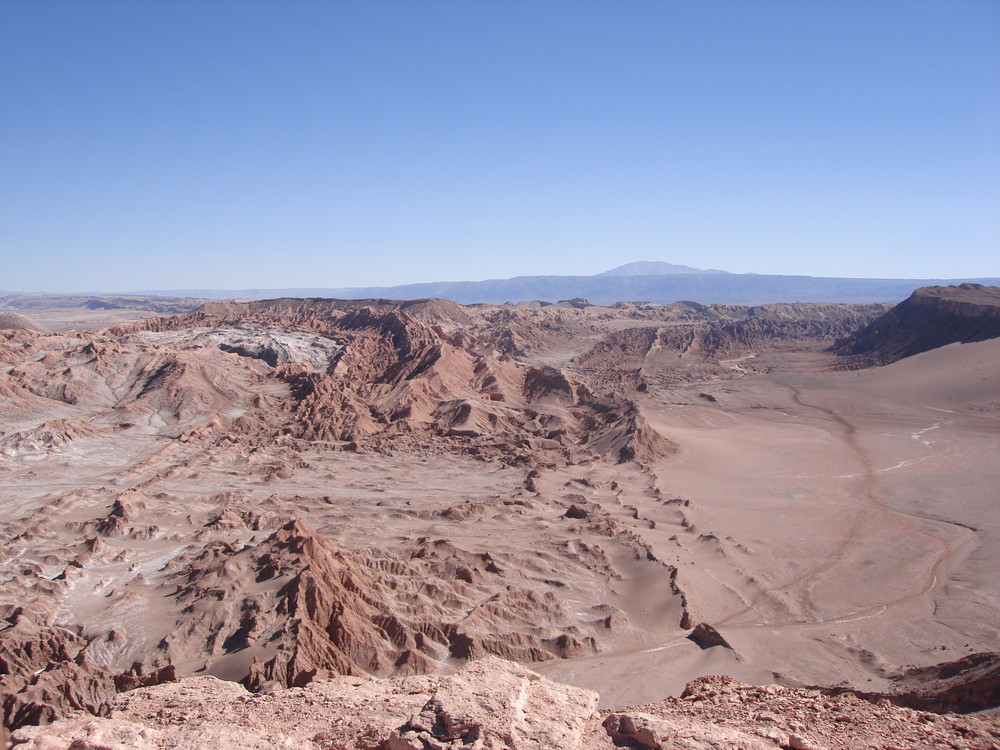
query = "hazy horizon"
{"x": 259, "y": 145}
{"x": 714, "y": 273}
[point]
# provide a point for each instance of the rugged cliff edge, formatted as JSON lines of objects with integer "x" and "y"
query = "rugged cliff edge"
{"x": 931, "y": 317}
{"x": 492, "y": 704}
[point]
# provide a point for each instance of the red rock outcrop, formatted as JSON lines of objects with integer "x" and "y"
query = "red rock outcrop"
{"x": 406, "y": 370}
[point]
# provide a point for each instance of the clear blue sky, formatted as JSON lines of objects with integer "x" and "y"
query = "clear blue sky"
{"x": 217, "y": 144}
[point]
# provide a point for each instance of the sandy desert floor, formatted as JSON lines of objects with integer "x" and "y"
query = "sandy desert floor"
{"x": 842, "y": 525}
{"x": 834, "y": 526}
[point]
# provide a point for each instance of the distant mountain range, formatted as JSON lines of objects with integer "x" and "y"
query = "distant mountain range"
{"x": 642, "y": 281}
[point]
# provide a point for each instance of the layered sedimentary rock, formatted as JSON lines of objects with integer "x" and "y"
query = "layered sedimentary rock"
{"x": 246, "y": 588}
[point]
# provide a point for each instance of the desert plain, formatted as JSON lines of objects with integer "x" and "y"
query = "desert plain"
{"x": 279, "y": 492}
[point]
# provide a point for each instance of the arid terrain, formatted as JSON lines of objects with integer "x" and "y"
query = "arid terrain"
{"x": 301, "y": 495}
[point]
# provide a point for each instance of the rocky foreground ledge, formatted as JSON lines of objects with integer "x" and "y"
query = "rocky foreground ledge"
{"x": 493, "y": 704}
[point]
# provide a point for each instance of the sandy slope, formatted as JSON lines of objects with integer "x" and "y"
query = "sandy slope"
{"x": 844, "y": 523}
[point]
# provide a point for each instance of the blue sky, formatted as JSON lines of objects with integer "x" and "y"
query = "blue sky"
{"x": 215, "y": 144}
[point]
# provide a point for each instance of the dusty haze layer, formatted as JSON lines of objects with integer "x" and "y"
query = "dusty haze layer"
{"x": 277, "y": 492}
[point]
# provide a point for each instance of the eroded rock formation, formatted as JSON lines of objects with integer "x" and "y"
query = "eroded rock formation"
{"x": 299, "y": 495}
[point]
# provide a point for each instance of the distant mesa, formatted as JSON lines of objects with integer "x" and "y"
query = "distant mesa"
{"x": 153, "y": 302}
{"x": 578, "y": 302}
{"x": 930, "y": 318}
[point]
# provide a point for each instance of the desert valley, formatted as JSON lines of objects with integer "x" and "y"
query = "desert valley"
{"x": 429, "y": 525}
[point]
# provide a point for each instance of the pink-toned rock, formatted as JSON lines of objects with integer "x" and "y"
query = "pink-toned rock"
{"x": 798, "y": 742}
{"x": 116, "y": 734}
{"x": 648, "y": 732}
{"x": 493, "y": 704}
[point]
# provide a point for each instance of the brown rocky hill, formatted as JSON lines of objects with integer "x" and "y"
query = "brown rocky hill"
{"x": 929, "y": 318}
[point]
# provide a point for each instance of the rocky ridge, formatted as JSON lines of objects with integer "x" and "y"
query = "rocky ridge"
{"x": 332, "y": 611}
{"x": 492, "y": 704}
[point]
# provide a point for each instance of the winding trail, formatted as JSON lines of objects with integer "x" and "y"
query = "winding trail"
{"x": 851, "y": 538}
